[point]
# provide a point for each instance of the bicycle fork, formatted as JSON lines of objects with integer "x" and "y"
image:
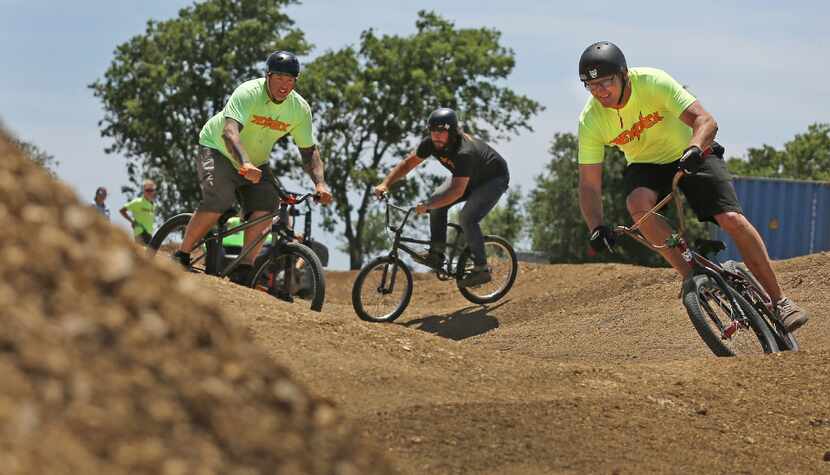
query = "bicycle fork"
{"x": 383, "y": 289}
{"x": 739, "y": 321}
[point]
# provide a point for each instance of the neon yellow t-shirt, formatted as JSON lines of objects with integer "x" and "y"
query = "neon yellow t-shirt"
{"x": 263, "y": 122}
{"x": 143, "y": 212}
{"x": 652, "y": 131}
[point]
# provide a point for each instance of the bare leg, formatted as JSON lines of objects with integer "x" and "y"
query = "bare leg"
{"x": 252, "y": 233}
{"x": 639, "y": 202}
{"x": 752, "y": 249}
{"x": 199, "y": 225}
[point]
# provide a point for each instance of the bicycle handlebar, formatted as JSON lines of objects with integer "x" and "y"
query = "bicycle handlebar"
{"x": 408, "y": 212}
{"x": 385, "y": 198}
{"x": 291, "y": 198}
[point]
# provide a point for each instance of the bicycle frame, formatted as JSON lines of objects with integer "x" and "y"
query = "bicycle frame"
{"x": 399, "y": 240}
{"x": 280, "y": 230}
{"x": 677, "y": 240}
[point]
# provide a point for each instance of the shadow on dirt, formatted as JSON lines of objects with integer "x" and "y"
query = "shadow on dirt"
{"x": 459, "y": 325}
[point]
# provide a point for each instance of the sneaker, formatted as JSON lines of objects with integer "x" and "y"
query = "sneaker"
{"x": 182, "y": 258}
{"x": 430, "y": 259}
{"x": 790, "y": 314}
{"x": 242, "y": 275}
{"x": 478, "y": 276}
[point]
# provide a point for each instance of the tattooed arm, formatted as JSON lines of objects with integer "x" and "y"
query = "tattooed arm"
{"x": 313, "y": 165}
{"x": 230, "y": 134}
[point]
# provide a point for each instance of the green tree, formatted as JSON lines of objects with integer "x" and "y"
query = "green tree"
{"x": 41, "y": 157}
{"x": 507, "y": 219}
{"x": 370, "y": 104}
{"x": 556, "y": 224}
{"x": 806, "y": 157}
{"x": 162, "y": 86}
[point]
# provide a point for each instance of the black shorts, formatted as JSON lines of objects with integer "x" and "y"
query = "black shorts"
{"x": 221, "y": 182}
{"x": 707, "y": 195}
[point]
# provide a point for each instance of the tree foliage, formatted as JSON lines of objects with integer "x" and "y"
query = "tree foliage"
{"x": 506, "y": 219}
{"x": 162, "y": 86}
{"x": 370, "y": 105}
{"x": 806, "y": 157}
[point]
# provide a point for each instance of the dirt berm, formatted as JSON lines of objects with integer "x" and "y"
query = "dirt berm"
{"x": 110, "y": 363}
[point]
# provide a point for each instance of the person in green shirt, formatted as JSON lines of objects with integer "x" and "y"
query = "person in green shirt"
{"x": 236, "y": 146}
{"x": 661, "y": 127}
{"x": 142, "y": 213}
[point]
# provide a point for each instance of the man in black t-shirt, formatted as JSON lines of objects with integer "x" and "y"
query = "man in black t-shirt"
{"x": 479, "y": 177}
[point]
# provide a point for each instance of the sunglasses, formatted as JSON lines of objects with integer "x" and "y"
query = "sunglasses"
{"x": 600, "y": 83}
{"x": 150, "y": 190}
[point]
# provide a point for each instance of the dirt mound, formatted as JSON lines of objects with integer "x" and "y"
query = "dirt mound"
{"x": 113, "y": 364}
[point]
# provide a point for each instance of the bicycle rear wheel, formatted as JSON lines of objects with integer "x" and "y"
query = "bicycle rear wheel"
{"x": 170, "y": 235}
{"x": 293, "y": 273}
{"x": 718, "y": 320}
{"x": 501, "y": 258}
{"x": 758, "y": 298}
{"x": 380, "y": 293}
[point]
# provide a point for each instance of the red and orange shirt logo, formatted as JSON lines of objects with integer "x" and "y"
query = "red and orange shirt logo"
{"x": 267, "y": 122}
{"x": 645, "y": 122}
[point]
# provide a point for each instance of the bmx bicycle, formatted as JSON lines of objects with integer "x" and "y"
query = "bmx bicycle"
{"x": 383, "y": 287}
{"x": 728, "y": 307}
{"x": 288, "y": 268}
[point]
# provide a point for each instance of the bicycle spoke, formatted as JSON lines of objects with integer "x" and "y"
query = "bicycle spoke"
{"x": 726, "y": 322}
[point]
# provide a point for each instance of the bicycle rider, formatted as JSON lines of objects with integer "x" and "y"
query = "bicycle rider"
{"x": 236, "y": 145}
{"x": 661, "y": 127}
{"x": 479, "y": 176}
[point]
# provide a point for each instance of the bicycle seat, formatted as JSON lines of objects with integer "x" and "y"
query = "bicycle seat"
{"x": 709, "y": 246}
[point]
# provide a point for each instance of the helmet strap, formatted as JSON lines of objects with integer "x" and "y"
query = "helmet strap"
{"x": 622, "y": 94}
{"x": 619, "y": 101}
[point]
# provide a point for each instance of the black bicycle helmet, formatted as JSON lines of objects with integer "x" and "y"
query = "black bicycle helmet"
{"x": 283, "y": 62}
{"x": 443, "y": 119}
{"x": 600, "y": 60}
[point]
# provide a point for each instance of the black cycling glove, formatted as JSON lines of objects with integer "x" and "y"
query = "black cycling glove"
{"x": 603, "y": 239}
{"x": 691, "y": 160}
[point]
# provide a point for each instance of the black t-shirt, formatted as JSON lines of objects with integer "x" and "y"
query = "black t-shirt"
{"x": 470, "y": 158}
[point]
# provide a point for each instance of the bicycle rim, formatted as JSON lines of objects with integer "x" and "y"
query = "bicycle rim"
{"x": 382, "y": 291}
{"x": 729, "y": 333}
{"x": 170, "y": 236}
{"x": 290, "y": 276}
{"x": 503, "y": 268}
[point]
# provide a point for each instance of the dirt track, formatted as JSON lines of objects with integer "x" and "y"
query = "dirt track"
{"x": 582, "y": 369}
{"x": 113, "y": 364}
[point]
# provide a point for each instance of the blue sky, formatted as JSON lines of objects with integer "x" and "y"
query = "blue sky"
{"x": 760, "y": 67}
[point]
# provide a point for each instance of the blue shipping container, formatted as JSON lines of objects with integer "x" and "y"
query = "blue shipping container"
{"x": 792, "y": 216}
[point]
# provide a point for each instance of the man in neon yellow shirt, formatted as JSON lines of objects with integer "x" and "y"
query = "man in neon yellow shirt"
{"x": 143, "y": 213}
{"x": 237, "y": 144}
{"x": 661, "y": 127}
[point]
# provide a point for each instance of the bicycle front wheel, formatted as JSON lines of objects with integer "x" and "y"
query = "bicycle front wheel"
{"x": 758, "y": 298}
{"x": 501, "y": 258}
{"x": 726, "y": 328}
{"x": 382, "y": 290}
{"x": 295, "y": 273}
{"x": 169, "y": 237}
